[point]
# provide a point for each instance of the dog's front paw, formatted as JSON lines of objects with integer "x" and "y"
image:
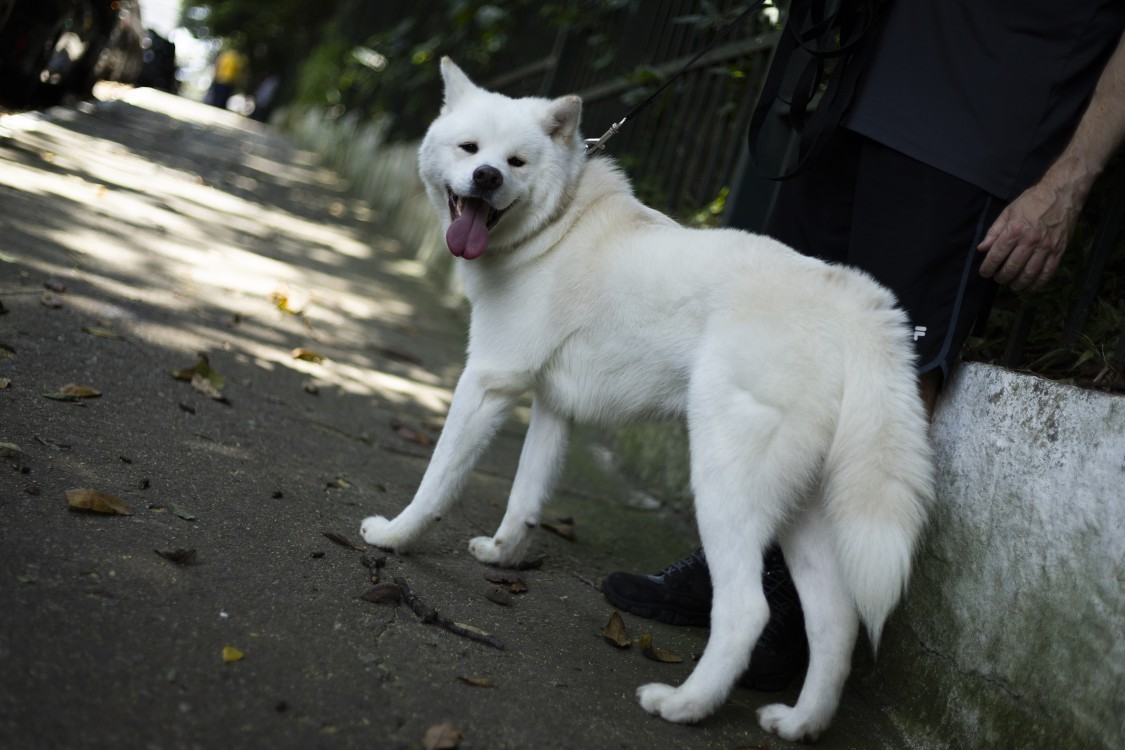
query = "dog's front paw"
{"x": 492, "y": 551}
{"x": 786, "y": 723}
{"x": 669, "y": 703}
{"x": 379, "y": 532}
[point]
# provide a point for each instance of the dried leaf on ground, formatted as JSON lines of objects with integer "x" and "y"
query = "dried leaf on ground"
{"x": 72, "y": 392}
{"x": 181, "y": 512}
{"x": 203, "y": 378}
{"x": 343, "y": 541}
{"x": 383, "y": 593}
{"x": 656, "y": 653}
{"x": 411, "y": 435}
{"x": 80, "y": 391}
{"x": 4, "y": 383}
{"x": 564, "y": 527}
{"x": 307, "y": 355}
{"x": 56, "y": 396}
{"x": 178, "y": 556}
{"x": 11, "y": 450}
{"x": 513, "y": 582}
{"x": 615, "y": 632}
{"x": 282, "y": 301}
{"x": 232, "y": 654}
{"x": 99, "y": 502}
{"x": 101, "y": 332}
{"x": 55, "y": 285}
{"x": 441, "y": 737}
{"x": 7, "y": 351}
{"x": 500, "y": 596}
{"x": 482, "y": 682}
{"x": 207, "y": 387}
{"x": 51, "y": 300}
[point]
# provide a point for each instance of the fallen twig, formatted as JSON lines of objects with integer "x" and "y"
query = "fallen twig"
{"x": 587, "y": 581}
{"x": 430, "y": 616}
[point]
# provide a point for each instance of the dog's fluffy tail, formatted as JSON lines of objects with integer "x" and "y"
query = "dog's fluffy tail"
{"x": 879, "y": 478}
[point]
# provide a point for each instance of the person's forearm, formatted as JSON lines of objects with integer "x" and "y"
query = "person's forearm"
{"x": 1025, "y": 244}
{"x": 1098, "y": 135}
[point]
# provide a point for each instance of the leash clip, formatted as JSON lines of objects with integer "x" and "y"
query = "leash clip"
{"x": 598, "y": 144}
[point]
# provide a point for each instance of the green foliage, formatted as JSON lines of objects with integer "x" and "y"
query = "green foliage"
{"x": 353, "y": 70}
{"x": 1089, "y": 359}
{"x": 275, "y": 34}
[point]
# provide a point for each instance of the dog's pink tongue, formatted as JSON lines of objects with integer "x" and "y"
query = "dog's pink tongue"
{"x": 467, "y": 236}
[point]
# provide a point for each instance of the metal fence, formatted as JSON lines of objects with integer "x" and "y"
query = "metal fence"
{"x": 686, "y": 151}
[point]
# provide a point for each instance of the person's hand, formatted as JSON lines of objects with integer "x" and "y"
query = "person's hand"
{"x": 1025, "y": 244}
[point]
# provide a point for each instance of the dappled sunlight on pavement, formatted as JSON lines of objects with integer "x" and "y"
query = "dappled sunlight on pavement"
{"x": 264, "y": 366}
{"x": 220, "y": 234}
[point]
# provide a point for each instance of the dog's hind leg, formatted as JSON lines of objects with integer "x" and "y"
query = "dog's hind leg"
{"x": 542, "y": 456}
{"x": 747, "y": 460}
{"x": 480, "y": 403}
{"x": 831, "y": 622}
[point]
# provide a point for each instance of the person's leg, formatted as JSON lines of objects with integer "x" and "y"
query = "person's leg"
{"x": 813, "y": 211}
{"x": 916, "y": 230}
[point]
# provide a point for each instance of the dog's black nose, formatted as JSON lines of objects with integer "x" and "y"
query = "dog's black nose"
{"x": 487, "y": 178}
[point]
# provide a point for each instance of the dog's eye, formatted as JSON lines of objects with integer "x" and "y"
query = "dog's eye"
{"x": 515, "y": 161}
{"x": 469, "y": 147}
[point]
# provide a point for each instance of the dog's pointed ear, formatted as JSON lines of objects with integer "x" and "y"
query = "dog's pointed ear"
{"x": 563, "y": 117}
{"x": 457, "y": 84}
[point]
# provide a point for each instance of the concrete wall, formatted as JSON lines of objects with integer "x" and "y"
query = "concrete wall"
{"x": 1013, "y": 632}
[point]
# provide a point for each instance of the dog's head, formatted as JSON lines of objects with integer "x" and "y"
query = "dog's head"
{"x": 497, "y": 169}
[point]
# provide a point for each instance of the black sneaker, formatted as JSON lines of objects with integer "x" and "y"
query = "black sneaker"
{"x": 680, "y": 594}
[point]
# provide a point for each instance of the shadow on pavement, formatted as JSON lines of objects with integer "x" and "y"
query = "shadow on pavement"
{"x": 166, "y": 228}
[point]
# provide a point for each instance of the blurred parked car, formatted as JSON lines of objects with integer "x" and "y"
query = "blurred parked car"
{"x": 51, "y": 47}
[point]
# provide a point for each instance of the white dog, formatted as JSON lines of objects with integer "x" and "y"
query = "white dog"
{"x": 796, "y": 379}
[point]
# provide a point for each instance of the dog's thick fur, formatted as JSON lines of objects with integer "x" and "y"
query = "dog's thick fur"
{"x": 796, "y": 379}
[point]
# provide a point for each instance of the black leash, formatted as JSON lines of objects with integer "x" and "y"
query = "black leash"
{"x": 598, "y": 144}
{"x": 819, "y": 32}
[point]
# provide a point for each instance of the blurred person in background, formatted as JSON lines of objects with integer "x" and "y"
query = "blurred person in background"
{"x": 230, "y": 72}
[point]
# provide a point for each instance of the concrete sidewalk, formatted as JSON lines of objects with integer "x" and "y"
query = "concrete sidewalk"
{"x": 134, "y": 235}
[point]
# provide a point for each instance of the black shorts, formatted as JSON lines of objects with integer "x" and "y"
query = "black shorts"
{"x": 911, "y": 226}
